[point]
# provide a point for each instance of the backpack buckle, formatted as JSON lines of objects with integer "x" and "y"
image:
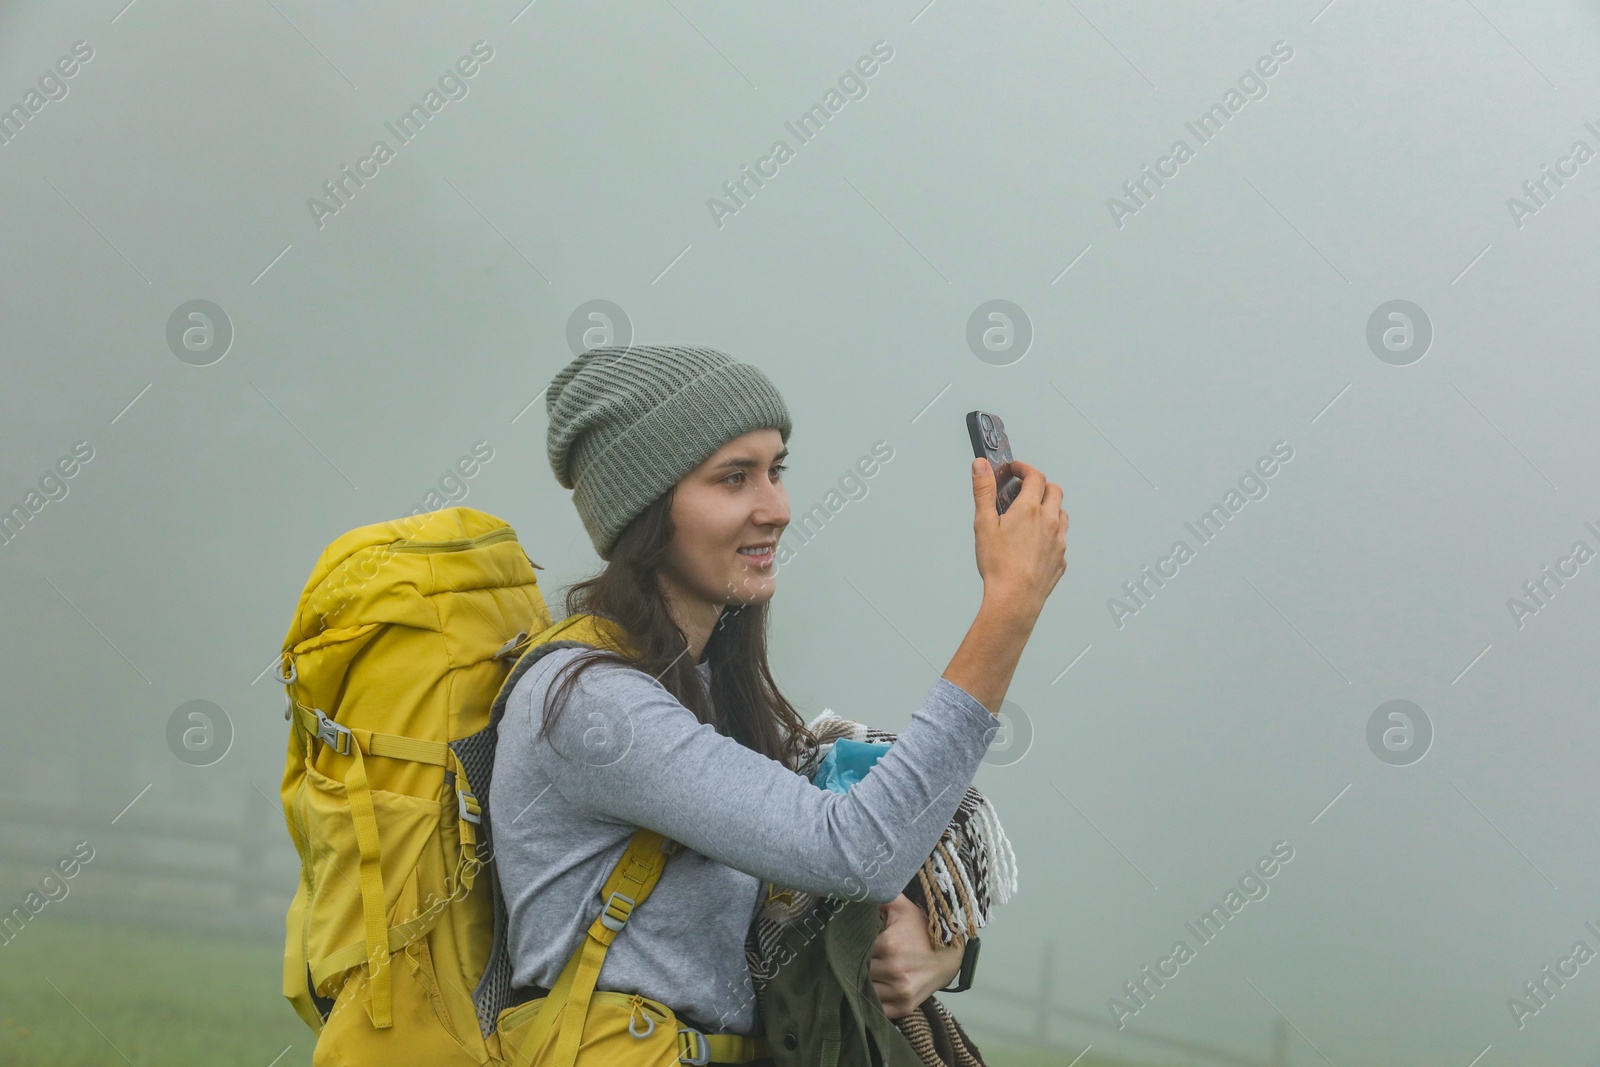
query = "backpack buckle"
{"x": 699, "y": 1049}
{"x": 511, "y": 646}
{"x": 610, "y": 921}
{"x": 467, "y": 807}
{"x": 331, "y": 732}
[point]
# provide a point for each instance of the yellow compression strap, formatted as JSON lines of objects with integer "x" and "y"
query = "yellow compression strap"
{"x": 465, "y": 877}
{"x": 380, "y": 939}
{"x": 393, "y": 746}
{"x": 377, "y": 924}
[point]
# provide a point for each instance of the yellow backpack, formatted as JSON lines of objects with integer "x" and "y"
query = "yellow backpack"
{"x": 406, "y": 643}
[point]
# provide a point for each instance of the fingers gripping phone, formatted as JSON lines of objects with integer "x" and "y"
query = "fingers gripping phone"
{"x": 989, "y": 441}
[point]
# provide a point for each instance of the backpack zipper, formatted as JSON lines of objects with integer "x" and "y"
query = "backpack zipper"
{"x": 502, "y": 534}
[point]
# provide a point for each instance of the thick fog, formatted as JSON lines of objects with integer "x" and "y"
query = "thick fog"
{"x": 1294, "y": 301}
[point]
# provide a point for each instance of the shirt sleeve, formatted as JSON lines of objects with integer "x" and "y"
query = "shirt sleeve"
{"x": 625, "y": 750}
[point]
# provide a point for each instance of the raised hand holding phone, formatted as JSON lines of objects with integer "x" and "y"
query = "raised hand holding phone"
{"x": 1022, "y": 554}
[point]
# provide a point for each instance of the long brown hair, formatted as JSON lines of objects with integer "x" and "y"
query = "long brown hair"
{"x": 744, "y": 695}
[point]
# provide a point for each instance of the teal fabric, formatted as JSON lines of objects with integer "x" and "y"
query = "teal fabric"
{"x": 848, "y": 763}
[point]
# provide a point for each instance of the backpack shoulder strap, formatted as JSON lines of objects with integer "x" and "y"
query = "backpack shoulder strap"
{"x": 631, "y": 881}
{"x": 574, "y": 631}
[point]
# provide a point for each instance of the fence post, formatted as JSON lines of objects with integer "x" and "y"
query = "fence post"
{"x": 1280, "y": 1042}
{"x": 1047, "y": 974}
{"x": 253, "y": 843}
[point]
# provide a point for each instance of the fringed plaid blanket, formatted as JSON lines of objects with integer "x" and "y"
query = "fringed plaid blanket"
{"x": 970, "y": 870}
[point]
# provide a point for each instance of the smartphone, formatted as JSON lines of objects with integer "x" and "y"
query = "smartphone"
{"x": 989, "y": 441}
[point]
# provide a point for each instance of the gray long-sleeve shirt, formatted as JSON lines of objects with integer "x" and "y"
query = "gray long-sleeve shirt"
{"x": 629, "y": 754}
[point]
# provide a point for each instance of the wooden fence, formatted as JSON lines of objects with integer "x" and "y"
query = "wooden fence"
{"x": 1040, "y": 1009}
{"x": 236, "y": 876}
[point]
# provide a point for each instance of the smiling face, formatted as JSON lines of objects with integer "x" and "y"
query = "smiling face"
{"x": 734, "y": 499}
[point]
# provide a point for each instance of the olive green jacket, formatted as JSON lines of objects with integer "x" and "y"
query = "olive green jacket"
{"x": 820, "y": 1009}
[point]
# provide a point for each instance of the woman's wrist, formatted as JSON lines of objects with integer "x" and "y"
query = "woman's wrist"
{"x": 1019, "y": 607}
{"x": 1007, "y": 618}
{"x": 988, "y": 655}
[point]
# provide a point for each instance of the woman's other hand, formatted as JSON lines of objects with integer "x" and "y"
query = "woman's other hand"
{"x": 904, "y": 967}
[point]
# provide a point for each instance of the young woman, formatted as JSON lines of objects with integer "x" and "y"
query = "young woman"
{"x": 675, "y": 455}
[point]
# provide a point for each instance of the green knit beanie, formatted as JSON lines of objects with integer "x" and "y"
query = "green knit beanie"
{"x": 627, "y": 422}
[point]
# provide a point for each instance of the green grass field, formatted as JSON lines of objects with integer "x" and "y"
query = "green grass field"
{"x": 69, "y": 992}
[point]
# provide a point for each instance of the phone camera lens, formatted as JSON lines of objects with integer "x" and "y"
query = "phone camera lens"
{"x": 987, "y": 424}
